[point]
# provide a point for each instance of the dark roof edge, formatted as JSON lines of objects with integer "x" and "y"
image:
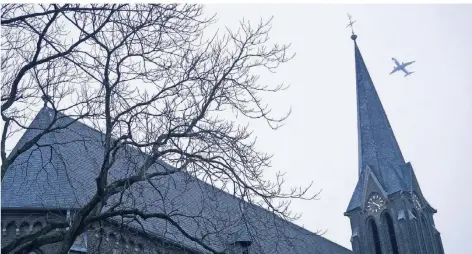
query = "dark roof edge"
{"x": 111, "y": 221}
{"x": 61, "y": 115}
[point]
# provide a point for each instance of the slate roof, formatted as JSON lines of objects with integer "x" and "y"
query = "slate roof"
{"x": 378, "y": 147}
{"x": 60, "y": 173}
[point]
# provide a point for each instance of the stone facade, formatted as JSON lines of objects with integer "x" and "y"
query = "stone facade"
{"x": 107, "y": 238}
{"x": 410, "y": 230}
{"x": 388, "y": 211}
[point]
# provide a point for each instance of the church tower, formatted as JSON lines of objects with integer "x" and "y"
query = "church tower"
{"x": 388, "y": 212}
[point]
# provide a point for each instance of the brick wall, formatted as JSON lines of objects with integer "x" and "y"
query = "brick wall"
{"x": 104, "y": 238}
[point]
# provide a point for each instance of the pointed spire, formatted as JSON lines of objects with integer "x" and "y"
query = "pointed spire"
{"x": 378, "y": 147}
{"x": 379, "y": 153}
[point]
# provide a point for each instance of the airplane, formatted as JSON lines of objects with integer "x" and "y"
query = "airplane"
{"x": 401, "y": 67}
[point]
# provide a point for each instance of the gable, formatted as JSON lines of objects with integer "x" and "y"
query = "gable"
{"x": 367, "y": 184}
{"x": 415, "y": 187}
{"x": 64, "y": 179}
{"x": 372, "y": 185}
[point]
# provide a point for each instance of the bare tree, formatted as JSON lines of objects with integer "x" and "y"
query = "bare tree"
{"x": 152, "y": 81}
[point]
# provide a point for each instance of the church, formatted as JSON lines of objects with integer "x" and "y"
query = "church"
{"x": 388, "y": 212}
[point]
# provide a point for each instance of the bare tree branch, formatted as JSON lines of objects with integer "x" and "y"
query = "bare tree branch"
{"x": 158, "y": 88}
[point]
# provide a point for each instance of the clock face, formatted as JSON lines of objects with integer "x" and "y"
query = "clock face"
{"x": 375, "y": 203}
{"x": 416, "y": 202}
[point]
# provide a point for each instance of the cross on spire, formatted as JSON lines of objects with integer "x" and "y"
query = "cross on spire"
{"x": 351, "y": 24}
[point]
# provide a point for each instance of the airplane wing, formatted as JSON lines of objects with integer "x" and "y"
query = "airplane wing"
{"x": 409, "y": 73}
{"x": 408, "y": 63}
{"x": 396, "y": 61}
{"x": 394, "y": 70}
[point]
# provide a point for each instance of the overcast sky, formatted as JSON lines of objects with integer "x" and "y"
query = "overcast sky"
{"x": 430, "y": 111}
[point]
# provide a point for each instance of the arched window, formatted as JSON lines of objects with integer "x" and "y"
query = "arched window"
{"x": 387, "y": 219}
{"x": 131, "y": 245}
{"x": 112, "y": 240}
{"x": 375, "y": 236}
{"x": 121, "y": 242}
{"x": 37, "y": 226}
{"x": 10, "y": 228}
{"x": 420, "y": 243}
{"x": 24, "y": 228}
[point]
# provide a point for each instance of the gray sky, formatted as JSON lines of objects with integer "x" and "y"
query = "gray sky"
{"x": 430, "y": 111}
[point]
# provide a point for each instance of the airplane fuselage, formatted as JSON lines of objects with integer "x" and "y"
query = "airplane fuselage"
{"x": 401, "y": 67}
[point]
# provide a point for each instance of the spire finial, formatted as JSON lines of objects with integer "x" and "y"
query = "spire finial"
{"x": 351, "y": 24}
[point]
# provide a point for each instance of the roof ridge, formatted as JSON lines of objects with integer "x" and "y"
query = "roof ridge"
{"x": 219, "y": 189}
{"x": 79, "y": 127}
